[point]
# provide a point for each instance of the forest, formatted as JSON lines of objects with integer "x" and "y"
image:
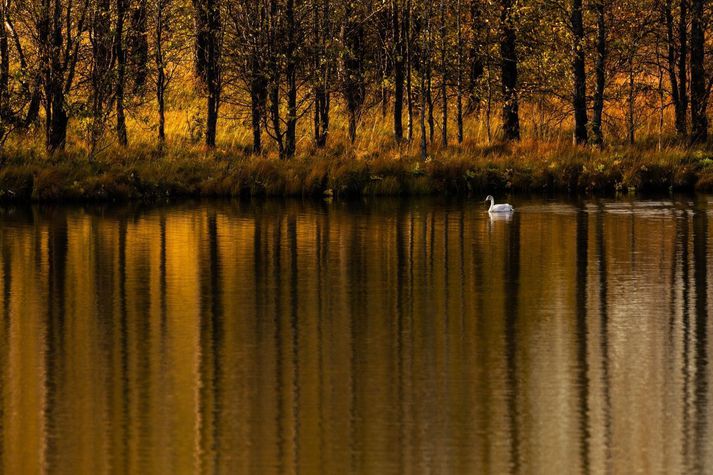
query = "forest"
{"x": 479, "y": 82}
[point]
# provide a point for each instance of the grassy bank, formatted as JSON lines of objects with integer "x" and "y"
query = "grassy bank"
{"x": 146, "y": 173}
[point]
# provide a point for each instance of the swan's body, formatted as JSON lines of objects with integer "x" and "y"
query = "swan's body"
{"x": 501, "y": 208}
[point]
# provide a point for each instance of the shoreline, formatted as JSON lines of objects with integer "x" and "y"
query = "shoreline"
{"x": 75, "y": 180}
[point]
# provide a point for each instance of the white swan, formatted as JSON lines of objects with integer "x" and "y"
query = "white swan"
{"x": 501, "y": 208}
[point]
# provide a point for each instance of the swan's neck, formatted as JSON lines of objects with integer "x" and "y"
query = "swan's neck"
{"x": 492, "y": 203}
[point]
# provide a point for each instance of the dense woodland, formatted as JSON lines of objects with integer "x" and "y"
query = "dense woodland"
{"x": 592, "y": 71}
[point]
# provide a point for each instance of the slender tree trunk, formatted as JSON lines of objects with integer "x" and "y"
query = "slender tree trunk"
{"x": 353, "y": 63}
{"x": 699, "y": 119}
{"x": 429, "y": 75}
{"x": 580, "y": 80}
{"x": 4, "y": 66}
{"x": 322, "y": 67}
{"x": 600, "y": 73}
{"x": 33, "y": 108}
{"x": 444, "y": 77}
{"x": 324, "y": 118}
{"x": 384, "y": 82}
{"x": 425, "y": 53}
{"x": 409, "y": 67}
{"x": 317, "y": 88}
{"x": 160, "y": 97}
{"x": 138, "y": 46}
{"x": 320, "y": 131}
{"x": 291, "y": 78}
{"x": 275, "y": 116}
{"x": 101, "y": 65}
{"x": 489, "y": 107}
{"x": 681, "y": 126}
{"x": 459, "y": 77}
{"x": 45, "y": 48}
{"x": 255, "y": 119}
{"x": 257, "y": 99}
{"x": 662, "y": 103}
{"x": 213, "y": 72}
{"x": 477, "y": 66}
{"x": 52, "y": 40}
{"x": 258, "y": 74}
{"x": 352, "y": 126}
{"x": 57, "y": 120}
{"x": 212, "y": 119}
{"x": 398, "y": 72}
{"x": 631, "y": 101}
{"x": 4, "y": 75}
{"x": 422, "y": 112}
{"x": 159, "y": 59}
{"x": 508, "y": 66}
{"x": 422, "y": 120}
{"x": 208, "y": 60}
{"x": 121, "y": 7}
{"x": 57, "y": 46}
{"x": 275, "y": 79}
{"x": 671, "y": 59}
{"x": 327, "y": 77}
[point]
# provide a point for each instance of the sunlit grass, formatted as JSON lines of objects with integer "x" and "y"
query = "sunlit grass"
{"x": 544, "y": 160}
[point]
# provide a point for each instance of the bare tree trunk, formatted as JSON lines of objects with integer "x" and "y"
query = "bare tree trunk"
{"x": 384, "y": 88}
{"x": 258, "y": 93}
{"x": 671, "y": 59}
{"x": 120, "y": 55}
{"x": 422, "y": 117}
{"x": 662, "y": 103}
{"x": 489, "y": 107}
{"x": 631, "y": 101}
{"x": 353, "y": 62}
{"x": 444, "y": 77}
{"x": 275, "y": 117}
{"x": 291, "y": 78}
{"x": 208, "y": 60}
{"x": 422, "y": 120}
{"x": 600, "y": 73}
{"x": 160, "y": 98}
{"x": 477, "y": 52}
{"x": 322, "y": 68}
{"x": 317, "y": 88}
{"x": 160, "y": 27}
{"x": 409, "y": 67}
{"x": 580, "y": 79}
{"x": 681, "y": 126}
{"x": 508, "y": 66}
{"x": 275, "y": 79}
{"x": 429, "y": 73}
{"x": 398, "y": 72}
{"x": 699, "y": 101}
{"x": 257, "y": 74}
{"x": 101, "y": 68}
{"x": 138, "y": 47}
{"x": 4, "y": 65}
{"x": 459, "y": 77}
{"x": 4, "y": 75}
{"x": 51, "y": 39}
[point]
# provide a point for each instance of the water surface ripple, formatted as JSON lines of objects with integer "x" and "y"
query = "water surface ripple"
{"x": 414, "y": 336}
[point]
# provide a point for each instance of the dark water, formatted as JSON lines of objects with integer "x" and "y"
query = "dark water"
{"x": 394, "y": 337}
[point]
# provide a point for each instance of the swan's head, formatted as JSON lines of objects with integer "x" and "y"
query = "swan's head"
{"x": 489, "y": 198}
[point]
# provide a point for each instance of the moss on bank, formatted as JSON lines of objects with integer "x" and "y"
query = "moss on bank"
{"x": 149, "y": 175}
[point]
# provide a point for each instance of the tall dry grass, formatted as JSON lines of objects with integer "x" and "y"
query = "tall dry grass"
{"x": 544, "y": 160}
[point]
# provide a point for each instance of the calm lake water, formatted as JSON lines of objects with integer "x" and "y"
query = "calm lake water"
{"x": 375, "y": 337}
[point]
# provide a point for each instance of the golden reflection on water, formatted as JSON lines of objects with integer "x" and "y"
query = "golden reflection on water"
{"x": 385, "y": 338}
